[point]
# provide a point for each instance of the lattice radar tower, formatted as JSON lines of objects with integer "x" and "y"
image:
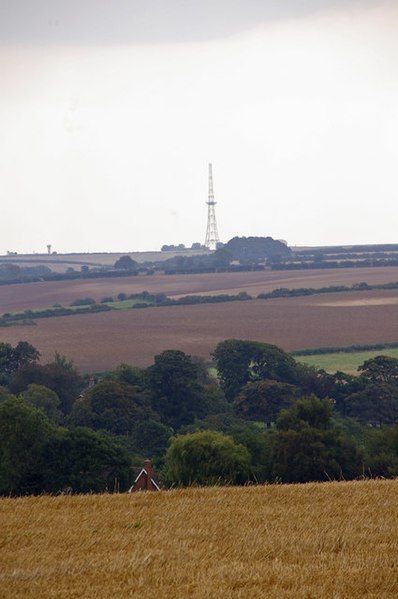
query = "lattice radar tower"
{"x": 212, "y": 238}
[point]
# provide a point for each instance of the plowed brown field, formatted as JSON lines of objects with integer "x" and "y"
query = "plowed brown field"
{"x": 45, "y": 294}
{"x": 102, "y": 341}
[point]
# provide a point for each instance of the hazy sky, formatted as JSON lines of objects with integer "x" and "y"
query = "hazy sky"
{"x": 111, "y": 111}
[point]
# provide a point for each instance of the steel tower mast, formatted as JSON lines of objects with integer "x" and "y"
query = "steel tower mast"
{"x": 211, "y": 232}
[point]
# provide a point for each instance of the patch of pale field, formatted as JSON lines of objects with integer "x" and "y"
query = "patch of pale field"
{"x": 45, "y": 294}
{"x": 344, "y": 361}
{"x": 60, "y": 262}
{"x": 375, "y": 301}
{"x": 331, "y": 540}
{"x": 98, "y": 342}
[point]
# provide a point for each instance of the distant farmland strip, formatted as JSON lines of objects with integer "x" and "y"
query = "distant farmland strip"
{"x": 147, "y": 300}
{"x": 102, "y": 341}
{"x": 43, "y": 294}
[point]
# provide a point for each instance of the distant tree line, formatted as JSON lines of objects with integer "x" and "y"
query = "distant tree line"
{"x": 238, "y": 254}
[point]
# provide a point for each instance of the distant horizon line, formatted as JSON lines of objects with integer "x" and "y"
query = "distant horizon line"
{"x": 13, "y": 254}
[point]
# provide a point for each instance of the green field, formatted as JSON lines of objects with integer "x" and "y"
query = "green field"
{"x": 126, "y": 304}
{"x": 344, "y": 361}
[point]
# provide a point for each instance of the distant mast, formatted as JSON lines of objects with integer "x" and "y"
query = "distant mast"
{"x": 212, "y": 238}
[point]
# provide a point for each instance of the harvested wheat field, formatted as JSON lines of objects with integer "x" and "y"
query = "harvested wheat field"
{"x": 98, "y": 342}
{"x": 333, "y": 540}
{"x": 45, "y": 294}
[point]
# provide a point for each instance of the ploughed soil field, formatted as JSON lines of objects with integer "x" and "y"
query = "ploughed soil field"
{"x": 98, "y": 342}
{"x": 45, "y": 294}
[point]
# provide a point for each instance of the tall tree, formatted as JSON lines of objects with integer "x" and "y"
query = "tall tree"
{"x": 83, "y": 461}
{"x": 23, "y": 431}
{"x": 45, "y": 399}
{"x": 307, "y": 446}
{"x": 173, "y": 380}
{"x": 375, "y": 404}
{"x": 14, "y": 358}
{"x": 239, "y": 362}
{"x": 65, "y": 383}
{"x": 112, "y": 406}
{"x": 263, "y": 400}
{"x": 383, "y": 369}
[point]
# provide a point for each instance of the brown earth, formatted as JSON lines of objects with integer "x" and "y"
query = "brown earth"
{"x": 101, "y": 341}
{"x": 45, "y": 294}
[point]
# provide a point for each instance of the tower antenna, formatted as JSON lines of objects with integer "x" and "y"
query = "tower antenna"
{"x": 212, "y": 238}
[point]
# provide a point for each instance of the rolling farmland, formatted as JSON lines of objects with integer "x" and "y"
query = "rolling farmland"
{"x": 45, "y": 294}
{"x": 325, "y": 540}
{"x": 102, "y": 341}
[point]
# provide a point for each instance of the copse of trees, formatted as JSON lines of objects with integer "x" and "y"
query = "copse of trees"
{"x": 253, "y": 249}
{"x": 264, "y": 418}
{"x": 126, "y": 263}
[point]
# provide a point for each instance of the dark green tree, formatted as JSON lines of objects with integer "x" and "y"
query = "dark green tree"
{"x": 131, "y": 375}
{"x": 151, "y": 438}
{"x": 63, "y": 362}
{"x": 13, "y": 358}
{"x": 239, "y": 362}
{"x": 307, "y": 446}
{"x": 65, "y": 383}
{"x": 381, "y": 369}
{"x": 112, "y": 406}
{"x": 7, "y": 362}
{"x": 82, "y": 461}
{"x": 24, "y": 354}
{"x": 375, "y": 404}
{"x": 221, "y": 258}
{"x": 311, "y": 411}
{"x": 24, "y": 430}
{"x": 45, "y": 399}
{"x": 259, "y": 445}
{"x": 176, "y": 393}
{"x": 381, "y": 447}
{"x": 263, "y": 400}
{"x": 207, "y": 458}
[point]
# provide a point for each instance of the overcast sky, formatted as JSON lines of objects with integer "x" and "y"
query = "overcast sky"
{"x": 111, "y": 111}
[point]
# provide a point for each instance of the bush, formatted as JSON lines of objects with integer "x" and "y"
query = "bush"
{"x": 207, "y": 458}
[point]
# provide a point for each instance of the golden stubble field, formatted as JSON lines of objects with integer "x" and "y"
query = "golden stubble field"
{"x": 313, "y": 541}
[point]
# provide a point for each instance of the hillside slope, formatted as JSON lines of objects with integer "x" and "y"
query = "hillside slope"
{"x": 335, "y": 540}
